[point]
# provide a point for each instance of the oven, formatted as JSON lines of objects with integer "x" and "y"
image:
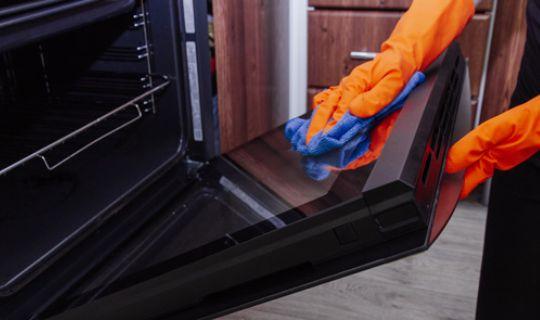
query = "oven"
{"x": 117, "y": 204}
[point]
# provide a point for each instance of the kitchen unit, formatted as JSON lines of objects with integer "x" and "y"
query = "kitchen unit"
{"x": 118, "y": 204}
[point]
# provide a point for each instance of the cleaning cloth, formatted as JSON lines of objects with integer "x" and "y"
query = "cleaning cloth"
{"x": 346, "y": 142}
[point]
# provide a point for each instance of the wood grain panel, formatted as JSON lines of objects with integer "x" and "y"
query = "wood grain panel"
{"x": 505, "y": 59}
{"x": 311, "y": 94}
{"x": 333, "y": 35}
{"x": 380, "y": 4}
{"x": 474, "y": 41}
{"x": 242, "y": 40}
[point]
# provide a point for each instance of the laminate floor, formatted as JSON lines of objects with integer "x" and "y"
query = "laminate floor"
{"x": 438, "y": 284}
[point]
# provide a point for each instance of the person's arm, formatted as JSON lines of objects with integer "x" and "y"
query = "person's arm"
{"x": 421, "y": 35}
{"x": 500, "y": 143}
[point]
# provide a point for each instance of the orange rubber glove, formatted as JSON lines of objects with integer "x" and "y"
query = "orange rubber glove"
{"x": 499, "y": 143}
{"x": 421, "y": 35}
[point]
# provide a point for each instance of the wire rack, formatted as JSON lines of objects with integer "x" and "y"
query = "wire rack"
{"x": 73, "y": 118}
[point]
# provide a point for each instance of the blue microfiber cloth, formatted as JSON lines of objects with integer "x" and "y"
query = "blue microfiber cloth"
{"x": 347, "y": 141}
{"x": 346, "y": 129}
{"x": 317, "y": 167}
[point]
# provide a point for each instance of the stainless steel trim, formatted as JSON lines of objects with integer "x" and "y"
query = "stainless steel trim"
{"x": 363, "y": 55}
{"x": 189, "y": 16}
{"x": 194, "y": 90}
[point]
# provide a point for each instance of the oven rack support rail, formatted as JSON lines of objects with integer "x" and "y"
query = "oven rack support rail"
{"x": 133, "y": 103}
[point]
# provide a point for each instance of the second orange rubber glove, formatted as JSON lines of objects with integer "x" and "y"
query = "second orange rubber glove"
{"x": 499, "y": 143}
{"x": 421, "y": 35}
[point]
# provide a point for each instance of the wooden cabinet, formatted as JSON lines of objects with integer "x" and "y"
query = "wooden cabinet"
{"x": 247, "y": 67}
{"x": 380, "y": 4}
{"x": 238, "y": 57}
{"x": 474, "y": 43}
{"x": 505, "y": 60}
{"x": 260, "y": 71}
{"x": 338, "y": 27}
{"x": 333, "y": 35}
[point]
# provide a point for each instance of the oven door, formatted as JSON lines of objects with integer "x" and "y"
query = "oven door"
{"x": 252, "y": 226}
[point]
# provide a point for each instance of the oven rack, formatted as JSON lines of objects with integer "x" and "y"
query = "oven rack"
{"x": 83, "y": 113}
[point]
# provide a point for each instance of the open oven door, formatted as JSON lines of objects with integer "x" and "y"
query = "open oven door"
{"x": 252, "y": 226}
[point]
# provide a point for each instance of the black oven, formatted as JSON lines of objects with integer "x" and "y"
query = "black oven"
{"x": 116, "y": 203}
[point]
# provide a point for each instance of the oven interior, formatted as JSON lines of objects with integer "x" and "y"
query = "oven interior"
{"x": 88, "y": 117}
{"x": 97, "y": 135}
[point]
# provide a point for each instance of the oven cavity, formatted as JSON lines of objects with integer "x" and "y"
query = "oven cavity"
{"x": 62, "y": 97}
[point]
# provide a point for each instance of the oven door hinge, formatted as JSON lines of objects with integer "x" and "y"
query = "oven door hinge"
{"x": 193, "y": 166}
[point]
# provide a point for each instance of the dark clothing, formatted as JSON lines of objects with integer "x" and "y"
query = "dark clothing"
{"x": 529, "y": 77}
{"x": 510, "y": 278}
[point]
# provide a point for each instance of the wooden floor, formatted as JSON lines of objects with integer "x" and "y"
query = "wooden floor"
{"x": 439, "y": 284}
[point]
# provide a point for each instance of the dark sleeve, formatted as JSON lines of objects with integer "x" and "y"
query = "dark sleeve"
{"x": 528, "y": 83}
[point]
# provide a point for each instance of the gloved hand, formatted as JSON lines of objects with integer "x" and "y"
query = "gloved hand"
{"x": 379, "y": 135}
{"x": 421, "y": 35}
{"x": 358, "y": 152}
{"x": 340, "y": 135}
{"x": 500, "y": 143}
{"x": 352, "y": 143}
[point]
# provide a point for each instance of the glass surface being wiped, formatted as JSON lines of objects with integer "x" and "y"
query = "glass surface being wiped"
{"x": 257, "y": 188}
